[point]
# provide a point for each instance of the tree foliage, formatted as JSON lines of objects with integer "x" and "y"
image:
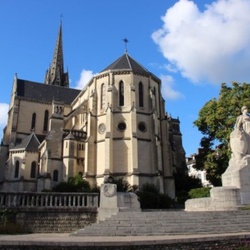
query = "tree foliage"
{"x": 216, "y": 121}
{"x": 75, "y": 184}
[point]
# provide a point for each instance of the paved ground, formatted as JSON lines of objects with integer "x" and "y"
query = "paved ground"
{"x": 53, "y": 239}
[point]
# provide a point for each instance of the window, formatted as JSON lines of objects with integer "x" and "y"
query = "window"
{"x": 33, "y": 170}
{"x": 103, "y": 96}
{"x": 55, "y": 175}
{"x": 121, "y": 93}
{"x": 122, "y": 126}
{"x": 16, "y": 174}
{"x": 142, "y": 127}
{"x": 140, "y": 94}
{"x": 33, "y": 121}
{"x": 46, "y": 119}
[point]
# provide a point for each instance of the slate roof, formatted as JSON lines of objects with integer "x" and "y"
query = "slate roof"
{"x": 126, "y": 62}
{"x": 29, "y": 143}
{"x": 44, "y": 92}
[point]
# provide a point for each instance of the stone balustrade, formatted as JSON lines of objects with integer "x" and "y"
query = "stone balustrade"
{"x": 48, "y": 200}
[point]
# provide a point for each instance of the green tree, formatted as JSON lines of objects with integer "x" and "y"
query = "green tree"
{"x": 216, "y": 121}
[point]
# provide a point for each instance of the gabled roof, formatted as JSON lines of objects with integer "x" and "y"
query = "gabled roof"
{"x": 126, "y": 62}
{"x": 44, "y": 92}
{"x": 29, "y": 143}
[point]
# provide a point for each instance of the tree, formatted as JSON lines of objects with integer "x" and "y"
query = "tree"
{"x": 216, "y": 121}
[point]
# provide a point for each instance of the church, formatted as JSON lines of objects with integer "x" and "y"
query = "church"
{"x": 117, "y": 125}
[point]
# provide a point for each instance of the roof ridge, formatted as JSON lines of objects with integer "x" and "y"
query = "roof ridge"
{"x": 128, "y": 58}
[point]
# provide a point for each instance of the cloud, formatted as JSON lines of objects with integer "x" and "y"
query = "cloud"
{"x": 4, "y": 107}
{"x": 167, "y": 88}
{"x": 85, "y": 77}
{"x": 210, "y": 45}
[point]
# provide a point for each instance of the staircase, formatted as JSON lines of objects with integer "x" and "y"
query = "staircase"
{"x": 169, "y": 223}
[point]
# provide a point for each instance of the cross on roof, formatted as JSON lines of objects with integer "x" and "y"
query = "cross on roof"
{"x": 125, "y": 40}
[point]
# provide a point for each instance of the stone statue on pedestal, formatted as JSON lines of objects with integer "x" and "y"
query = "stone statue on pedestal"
{"x": 240, "y": 137}
{"x": 238, "y": 171}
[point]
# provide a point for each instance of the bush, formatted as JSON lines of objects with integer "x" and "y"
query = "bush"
{"x": 199, "y": 192}
{"x": 75, "y": 184}
{"x": 8, "y": 223}
{"x": 151, "y": 198}
{"x": 149, "y": 187}
{"x": 181, "y": 197}
{"x": 122, "y": 185}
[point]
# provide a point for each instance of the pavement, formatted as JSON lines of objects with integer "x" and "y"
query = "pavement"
{"x": 65, "y": 239}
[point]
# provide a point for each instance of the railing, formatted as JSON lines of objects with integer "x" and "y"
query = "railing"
{"x": 48, "y": 200}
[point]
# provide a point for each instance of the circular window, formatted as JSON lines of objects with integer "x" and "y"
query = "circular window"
{"x": 142, "y": 127}
{"x": 101, "y": 128}
{"x": 122, "y": 126}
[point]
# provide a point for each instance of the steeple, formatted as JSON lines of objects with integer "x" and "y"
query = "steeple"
{"x": 55, "y": 75}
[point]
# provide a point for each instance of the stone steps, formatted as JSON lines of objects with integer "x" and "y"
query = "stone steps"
{"x": 169, "y": 223}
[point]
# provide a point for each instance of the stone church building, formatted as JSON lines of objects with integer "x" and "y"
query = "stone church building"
{"x": 116, "y": 125}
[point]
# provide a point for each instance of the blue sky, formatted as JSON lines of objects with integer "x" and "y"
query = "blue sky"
{"x": 193, "y": 46}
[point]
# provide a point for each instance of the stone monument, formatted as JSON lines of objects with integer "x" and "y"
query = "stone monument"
{"x": 111, "y": 201}
{"x": 235, "y": 190}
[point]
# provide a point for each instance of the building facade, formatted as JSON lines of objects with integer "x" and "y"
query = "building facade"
{"x": 116, "y": 125}
{"x": 193, "y": 172}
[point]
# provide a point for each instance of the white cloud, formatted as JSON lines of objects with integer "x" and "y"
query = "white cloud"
{"x": 210, "y": 45}
{"x": 4, "y": 107}
{"x": 167, "y": 88}
{"x": 85, "y": 77}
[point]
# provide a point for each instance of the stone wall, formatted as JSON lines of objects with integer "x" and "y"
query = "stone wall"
{"x": 42, "y": 220}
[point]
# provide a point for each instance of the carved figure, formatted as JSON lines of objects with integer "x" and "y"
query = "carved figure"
{"x": 243, "y": 121}
{"x": 240, "y": 137}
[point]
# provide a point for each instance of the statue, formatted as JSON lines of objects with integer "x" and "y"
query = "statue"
{"x": 240, "y": 137}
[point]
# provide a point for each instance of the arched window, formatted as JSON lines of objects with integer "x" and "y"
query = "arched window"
{"x": 33, "y": 121}
{"x": 121, "y": 93}
{"x": 33, "y": 170}
{"x": 103, "y": 96}
{"x": 16, "y": 174}
{"x": 140, "y": 94}
{"x": 45, "y": 121}
{"x": 55, "y": 175}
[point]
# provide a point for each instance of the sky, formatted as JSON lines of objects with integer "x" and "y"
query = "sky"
{"x": 192, "y": 46}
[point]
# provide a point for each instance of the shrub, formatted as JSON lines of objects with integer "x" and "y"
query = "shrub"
{"x": 151, "y": 198}
{"x": 199, "y": 192}
{"x": 181, "y": 197}
{"x": 75, "y": 184}
{"x": 122, "y": 185}
{"x": 64, "y": 187}
{"x": 149, "y": 187}
{"x": 8, "y": 223}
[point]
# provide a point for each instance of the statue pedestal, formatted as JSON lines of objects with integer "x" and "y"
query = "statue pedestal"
{"x": 234, "y": 193}
{"x": 111, "y": 201}
{"x": 238, "y": 175}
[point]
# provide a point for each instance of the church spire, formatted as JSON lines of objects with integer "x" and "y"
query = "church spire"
{"x": 55, "y": 75}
